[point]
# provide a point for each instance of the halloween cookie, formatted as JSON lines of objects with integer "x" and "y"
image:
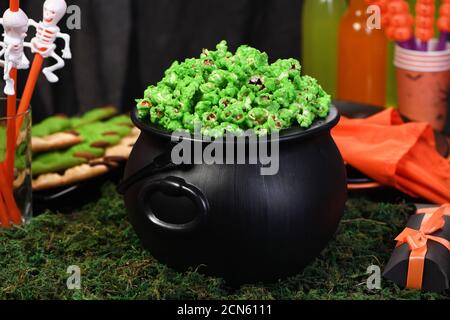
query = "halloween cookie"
{"x": 71, "y": 176}
{"x": 96, "y": 138}
{"x": 56, "y": 141}
{"x": 93, "y": 116}
{"x": 92, "y": 168}
{"x": 59, "y": 132}
{"x": 51, "y": 125}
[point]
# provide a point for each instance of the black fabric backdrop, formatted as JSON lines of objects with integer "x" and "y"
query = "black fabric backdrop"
{"x": 125, "y": 45}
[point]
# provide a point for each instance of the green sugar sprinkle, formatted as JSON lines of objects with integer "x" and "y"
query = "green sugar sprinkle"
{"x": 221, "y": 92}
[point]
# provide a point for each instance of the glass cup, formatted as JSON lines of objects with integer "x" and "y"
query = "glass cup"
{"x": 423, "y": 84}
{"x": 15, "y": 168}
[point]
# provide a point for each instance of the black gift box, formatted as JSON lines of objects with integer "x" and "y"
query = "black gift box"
{"x": 436, "y": 274}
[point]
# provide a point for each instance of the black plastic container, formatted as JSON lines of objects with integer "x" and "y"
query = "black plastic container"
{"x": 230, "y": 220}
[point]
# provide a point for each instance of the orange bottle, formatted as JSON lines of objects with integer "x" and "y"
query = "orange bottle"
{"x": 362, "y": 58}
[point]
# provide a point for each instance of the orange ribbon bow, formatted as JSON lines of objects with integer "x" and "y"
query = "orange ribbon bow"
{"x": 417, "y": 240}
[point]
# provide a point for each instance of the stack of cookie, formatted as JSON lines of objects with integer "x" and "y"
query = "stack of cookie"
{"x": 69, "y": 150}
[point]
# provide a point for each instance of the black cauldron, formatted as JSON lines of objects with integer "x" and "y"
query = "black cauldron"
{"x": 229, "y": 220}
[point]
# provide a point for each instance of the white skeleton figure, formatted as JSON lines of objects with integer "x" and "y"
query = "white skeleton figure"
{"x": 15, "y": 26}
{"x": 47, "y": 31}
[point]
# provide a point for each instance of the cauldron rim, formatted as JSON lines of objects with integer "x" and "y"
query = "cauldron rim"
{"x": 294, "y": 133}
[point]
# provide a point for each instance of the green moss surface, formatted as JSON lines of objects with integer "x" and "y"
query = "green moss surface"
{"x": 99, "y": 239}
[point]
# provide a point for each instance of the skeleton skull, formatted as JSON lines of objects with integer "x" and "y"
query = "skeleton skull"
{"x": 54, "y": 11}
{"x": 15, "y": 23}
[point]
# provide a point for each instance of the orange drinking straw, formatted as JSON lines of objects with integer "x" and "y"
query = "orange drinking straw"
{"x": 11, "y": 132}
{"x": 14, "y": 5}
{"x": 11, "y": 113}
{"x": 8, "y": 205}
{"x": 4, "y": 219}
{"x": 29, "y": 88}
{"x": 10, "y": 202}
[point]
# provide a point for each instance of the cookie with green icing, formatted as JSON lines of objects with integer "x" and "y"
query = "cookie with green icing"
{"x": 96, "y": 138}
{"x": 59, "y": 132}
{"x": 92, "y": 116}
{"x": 51, "y": 125}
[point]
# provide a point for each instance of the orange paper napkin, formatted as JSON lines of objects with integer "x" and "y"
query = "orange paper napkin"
{"x": 395, "y": 153}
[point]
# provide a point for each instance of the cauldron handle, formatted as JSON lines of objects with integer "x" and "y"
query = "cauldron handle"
{"x": 176, "y": 187}
{"x": 161, "y": 163}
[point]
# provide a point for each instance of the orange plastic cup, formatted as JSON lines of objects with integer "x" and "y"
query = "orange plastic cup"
{"x": 423, "y": 84}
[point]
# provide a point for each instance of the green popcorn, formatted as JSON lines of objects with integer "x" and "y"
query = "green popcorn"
{"x": 231, "y": 78}
{"x": 185, "y": 105}
{"x": 190, "y": 121}
{"x": 261, "y": 130}
{"x": 285, "y": 95}
{"x": 306, "y": 118}
{"x": 276, "y": 71}
{"x": 263, "y": 100}
{"x": 286, "y": 68}
{"x": 294, "y": 69}
{"x": 271, "y": 84}
{"x": 156, "y": 114}
{"x": 218, "y": 78}
{"x": 149, "y": 93}
{"x": 251, "y": 58}
{"x": 230, "y": 91}
{"x": 234, "y": 114}
{"x": 274, "y": 123}
{"x": 246, "y": 93}
{"x": 170, "y": 79}
{"x": 241, "y": 73}
{"x": 202, "y": 107}
{"x": 173, "y": 113}
{"x": 207, "y": 64}
{"x": 222, "y": 48}
{"x": 223, "y": 78}
{"x": 210, "y": 119}
{"x": 221, "y": 90}
{"x": 170, "y": 124}
{"x": 257, "y": 116}
{"x": 287, "y": 116}
{"x": 163, "y": 96}
{"x": 214, "y": 132}
{"x": 225, "y": 102}
{"x": 189, "y": 91}
{"x": 232, "y": 128}
{"x": 213, "y": 97}
{"x": 143, "y": 106}
{"x": 207, "y": 87}
{"x": 313, "y": 90}
{"x": 296, "y": 108}
{"x": 188, "y": 68}
{"x": 323, "y": 106}
{"x": 273, "y": 107}
{"x": 174, "y": 125}
{"x": 174, "y": 66}
{"x": 257, "y": 83}
{"x": 297, "y": 81}
{"x": 164, "y": 121}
